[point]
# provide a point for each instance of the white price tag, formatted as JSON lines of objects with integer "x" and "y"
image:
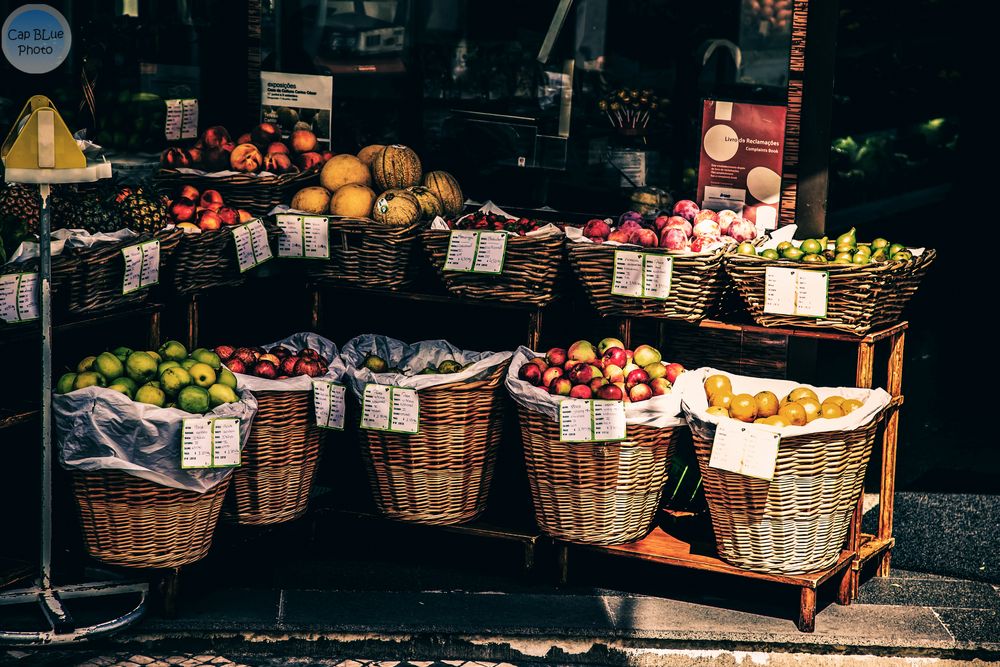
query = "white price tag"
{"x": 744, "y": 449}
{"x": 390, "y": 408}
{"x": 258, "y": 241}
{"x": 182, "y": 119}
{"x": 290, "y": 239}
{"x": 252, "y": 248}
{"x": 795, "y": 292}
{"x": 142, "y": 266}
{"x": 212, "y": 442}
{"x": 19, "y": 297}
{"x": 329, "y": 404}
{"x": 642, "y": 275}
{"x": 476, "y": 252}
{"x": 304, "y": 237}
{"x": 591, "y": 420}
{"x": 189, "y": 125}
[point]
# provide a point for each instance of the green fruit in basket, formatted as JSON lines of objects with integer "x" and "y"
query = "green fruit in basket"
{"x": 207, "y": 357}
{"x": 811, "y": 247}
{"x": 374, "y": 363}
{"x": 845, "y": 247}
{"x": 848, "y": 237}
{"x": 880, "y": 255}
{"x": 173, "y": 351}
{"x": 121, "y": 388}
{"x": 175, "y": 379}
{"x": 64, "y": 384}
{"x": 792, "y": 253}
{"x": 813, "y": 258}
{"x": 896, "y": 247}
{"x": 903, "y": 256}
{"x": 165, "y": 366}
{"x": 430, "y": 370}
{"x": 843, "y": 258}
{"x": 746, "y": 248}
{"x": 220, "y": 393}
{"x": 86, "y": 364}
{"x": 770, "y": 253}
{"x": 141, "y": 367}
{"x": 188, "y": 363}
{"x": 194, "y": 399}
{"x": 864, "y": 250}
{"x": 203, "y": 375}
{"x": 122, "y": 353}
{"x": 449, "y": 366}
{"x": 227, "y": 378}
{"x": 132, "y": 386}
{"x": 89, "y": 379}
{"x": 109, "y": 366}
{"x": 861, "y": 258}
{"x": 880, "y": 243}
{"x": 155, "y": 355}
{"x": 150, "y": 395}
{"x": 785, "y": 245}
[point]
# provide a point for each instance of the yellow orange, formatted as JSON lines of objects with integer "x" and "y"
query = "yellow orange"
{"x": 836, "y": 400}
{"x": 802, "y": 392}
{"x": 767, "y": 404}
{"x": 743, "y": 407}
{"x": 850, "y": 405}
{"x": 812, "y": 408}
{"x": 718, "y": 410}
{"x": 831, "y": 411}
{"x": 721, "y": 399}
{"x": 778, "y": 420}
{"x": 717, "y": 383}
{"x": 794, "y": 414}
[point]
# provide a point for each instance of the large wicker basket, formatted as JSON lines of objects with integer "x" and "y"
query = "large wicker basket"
{"x": 442, "y": 474}
{"x": 696, "y": 285}
{"x": 364, "y": 253}
{"x": 531, "y": 269}
{"x": 132, "y": 522}
{"x": 859, "y": 297}
{"x": 97, "y": 284}
{"x": 255, "y": 193}
{"x": 207, "y": 260}
{"x": 797, "y": 522}
{"x": 595, "y": 493}
{"x": 273, "y": 482}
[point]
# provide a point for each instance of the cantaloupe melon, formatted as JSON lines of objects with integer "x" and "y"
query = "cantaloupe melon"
{"x": 430, "y": 205}
{"x": 311, "y": 200}
{"x": 396, "y": 207}
{"x": 353, "y": 201}
{"x": 396, "y": 167}
{"x": 368, "y": 153}
{"x": 343, "y": 169}
{"x": 446, "y": 187}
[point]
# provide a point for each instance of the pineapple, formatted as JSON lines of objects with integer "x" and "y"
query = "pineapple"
{"x": 141, "y": 212}
{"x": 91, "y": 209}
{"x": 20, "y": 204}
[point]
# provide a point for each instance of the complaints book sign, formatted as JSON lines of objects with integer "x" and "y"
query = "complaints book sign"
{"x": 36, "y": 38}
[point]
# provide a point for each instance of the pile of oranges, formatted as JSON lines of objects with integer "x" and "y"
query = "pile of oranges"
{"x": 798, "y": 408}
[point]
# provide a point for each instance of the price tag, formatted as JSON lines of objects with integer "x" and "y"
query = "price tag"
{"x": 181, "y": 120}
{"x": 329, "y": 404}
{"x": 19, "y": 297}
{"x": 390, "y": 408}
{"x": 591, "y": 420}
{"x": 642, "y": 275}
{"x": 210, "y": 442}
{"x": 189, "y": 124}
{"x": 476, "y": 252}
{"x": 745, "y": 450}
{"x": 795, "y": 292}
{"x": 252, "y": 248}
{"x": 142, "y": 266}
{"x": 304, "y": 237}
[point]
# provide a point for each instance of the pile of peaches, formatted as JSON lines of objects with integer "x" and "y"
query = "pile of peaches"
{"x": 260, "y": 150}
{"x": 193, "y": 210}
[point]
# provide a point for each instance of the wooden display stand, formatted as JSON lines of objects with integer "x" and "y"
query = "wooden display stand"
{"x": 860, "y": 548}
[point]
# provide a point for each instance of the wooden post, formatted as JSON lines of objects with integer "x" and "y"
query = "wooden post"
{"x": 862, "y": 378}
{"x": 563, "y": 557}
{"x": 534, "y": 328}
{"x": 807, "y": 609}
{"x": 894, "y": 385}
{"x": 192, "y": 322}
{"x": 317, "y": 303}
{"x": 171, "y": 588}
{"x": 154, "y": 330}
{"x": 625, "y": 331}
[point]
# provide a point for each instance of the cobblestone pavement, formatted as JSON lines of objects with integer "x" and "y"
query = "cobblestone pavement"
{"x": 63, "y": 659}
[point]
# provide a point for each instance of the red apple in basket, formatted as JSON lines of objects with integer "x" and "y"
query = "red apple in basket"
{"x": 235, "y": 365}
{"x": 288, "y": 365}
{"x": 265, "y": 134}
{"x": 265, "y": 369}
{"x": 610, "y": 392}
{"x": 189, "y": 192}
{"x": 228, "y": 216}
{"x": 614, "y": 373}
{"x": 581, "y": 391}
{"x": 308, "y": 160}
{"x": 270, "y": 357}
{"x": 597, "y": 383}
{"x": 640, "y": 392}
{"x": 550, "y": 375}
{"x": 247, "y": 356}
{"x": 308, "y": 353}
{"x": 280, "y": 351}
{"x": 540, "y": 362}
{"x": 211, "y": 199}
{"x": 225, "y": 352}
{"x": 560, "y": 387}
{"x": 673, "y": 370}
{"x": 636, "y": 377}
{"x": 209, "y": 220}
{"x": 308, "y": 367}
{"x": 215, "y": 137}
{"x": 530, "y": 373}
{"x": 556, "y": 356}
{"x": 584, "y": 373}
{"x": 183, "y": 209}
{"x": 614, "y": 356}
{"x": 660, "y": 386}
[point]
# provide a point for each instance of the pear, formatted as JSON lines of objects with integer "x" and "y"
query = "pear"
{"x": 848, "y": 238}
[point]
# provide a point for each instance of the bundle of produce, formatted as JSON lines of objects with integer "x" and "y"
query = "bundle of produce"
{"x": 431, "y": 416}
{"x": 782, "y": 476}
{"x": 279, "y": 461}
{"x": 596, "y": 468}
{"x": 151, "y": 439}
{"x": 257, "y": 172}
{"x": 841, "y": 284}
{"x": 668, "y": 266}
{"x": 489, "y": 254}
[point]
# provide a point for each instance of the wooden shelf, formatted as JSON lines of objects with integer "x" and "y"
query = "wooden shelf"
{"x": 423, "y": 297}
{"x": 10, "y": 333}
{"x": 14, "y": 416}
{"x": 821, "y": 334}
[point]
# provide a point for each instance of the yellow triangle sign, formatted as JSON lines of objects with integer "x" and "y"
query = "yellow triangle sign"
{"x": 40, "y": 140}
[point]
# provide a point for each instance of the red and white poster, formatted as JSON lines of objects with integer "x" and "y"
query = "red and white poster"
{"x": 742, "y": 146}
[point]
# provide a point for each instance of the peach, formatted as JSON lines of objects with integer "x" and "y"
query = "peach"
{"x": 277, "y": 147}
{"x": 278, "y": 163}
{"x": 228, "y": 215}
{"x": 189, "y": 192}
{"x": 265, "y": 134}
{"x": 303, "y": 141}
{"x": 309, "y": 160}
{"x": 244, "y": 139}
{"x": 209, "y": 221}
{"x": 246, "y": 158}
{"x": 175, "y": 157}
{"x": 327, "y": 155}
{"x": 245, "y": 215}
{"x": 183, "y": 209}
{"x": 216, "y": 158}
{"x": 195, "y": 155}
{"x": 211, "y": 200}
{"x": 215, "y": 137}
{"x": 644, "y": 237}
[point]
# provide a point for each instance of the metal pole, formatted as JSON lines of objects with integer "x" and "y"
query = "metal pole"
{"x": 45, "y": 302}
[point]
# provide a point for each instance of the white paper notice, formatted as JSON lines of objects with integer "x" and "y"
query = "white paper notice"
{"x": 461, "y": 251}
{"x": 210, "y": 442}
{"x": 258, "y": 241}
{"x": 244, "y": 248}
{"x": 182, "y": 119}
{"x": 290, "y": 240}
{"x": 795, "y": 292}
{"x": 405, "y": 411}
{"x": 329, "y": 404}
{"x": 642, "y": 275}
{"x": 375, "y": 407}
{"x": 490, "y": 252}
{"x": 388, "y": 408}
{"x": 656, "y": 274}
{"x": 745, "y": 450}
{"x": 189, "y": 125}
{"x": 142, "y": 266}
{"x": 18, "y": 297}
{"x": 627, "y": 279}
{"x": 316, "y": 237}
{"x": 591, "y": 420}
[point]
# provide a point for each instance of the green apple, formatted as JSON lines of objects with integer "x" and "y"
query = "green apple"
{"x": 173, "y": 350}
{"x": 89, "y": 379}
{"x": 449, "y": 366}
{"x": 165, "y": 365}
{"x": 207, "y": 357}
{"x": 175, "y": 379}
{"x": 155, "y": 355}
{"x": 128, "y": 382}
{"x": 121, "y": 388}
{"x": 655, "y": 370}
{"x": 109, "y": 366}
{"x": 65, "y": 383}
{"x": 194, "y": 399}
{"x": 227, "y": 378}
{"x": 608, "y": 343}
{"x": 153, "y": 383}
{"x": 645, "y": 355}
{"x": 122, "y": 353}
{"x": 150, "y": 395}
{"x": 86, "y": 364}
{"x": 203, "y": 375}
{"x": 141, "y": 367}
{"x": 220, "y": 393}
{"x": 188, "y": 363}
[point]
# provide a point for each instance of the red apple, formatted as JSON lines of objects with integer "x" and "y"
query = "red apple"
{"x": 245, "y": 138}
{"x": 614, "y": 356}
{"x": 581, "y": 391}
{"x": 265, "y": 369}
{"x": 686, "y": 209}
{"x": 596, "y": 229}
{"x": 702, "y": 243}
{"x": 303, "y": 141}
{"x": 236, "y": 366}
{"x": 596, "y": 384}
{"x": 224, "y": 351}
{"x": 308, "y": 367}
{"x": 726, "y": 218}
{"x": 673, "y": 370}
{"x": 620, "y": 236}
{"x": 327, "y": 155}
{"x": 288, "y": 365}
{"x": 195, "y": 155}
{"x": 531, "y": 374}
{"x": 211, "y": 199}
{"x": 245, "y": 216}
{"x": 308, "y": 353}
{"x": 706, "y": 227}
{"x": 540, "y": 362}
{"x": 569, "y": 364}
{"x": 660, "y": 223}
{"x": 584, "y": 373}
{"x": 267, "y": 356}
{"x": 556, "y": 356}
{"x": 628, "y": 355}
{"x": 606, "y": 343}
{"x": 278, "y": 163}
{"x": 680, "y": 223}
{"x": 189, "y": 192}
{"x": 265, "y": 134}
{"x": 175, "y": 157}
{"x": 660, "y": 386}
{"x": 582, "y": 350}
{"x": 280, "y": 351}
{"x": 246, "y": 158}
{"x": 183, "y": 210}
{"x": 610, "y": 392}
{"x": 560, "y": 387}
{"x": 246, "y": 355}
{"x": 640, "y": 392}
{"x": 229, "y": 216}
{"x": 209, "y": 220}
{"x": 636, "y": 377}
{"x": 550, "y": 375}
{"x": 705, "y": 214}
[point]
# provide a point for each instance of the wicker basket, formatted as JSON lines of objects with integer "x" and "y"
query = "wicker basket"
{"x": 273, "y": 483}
{"x": 859, "y": 297}
{"x": 365, "y": 253}
{"x": 207, "y": 260}
{"x": 132, "y": 522}
{"x": 255, "y": 193}
{"x": 595, "y": 493}
{"x": 531, "y": 269}
{"x": 696, "y": 285}
{"x": 441, "y": 475}
{"x": 797, "y": 522}
{"x": 97, "y": 283}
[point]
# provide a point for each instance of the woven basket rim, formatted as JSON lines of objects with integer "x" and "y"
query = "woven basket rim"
{"x": 856, "y": 269}
{"x": 580, "y": 246}
{"x": 243, "y": 178}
